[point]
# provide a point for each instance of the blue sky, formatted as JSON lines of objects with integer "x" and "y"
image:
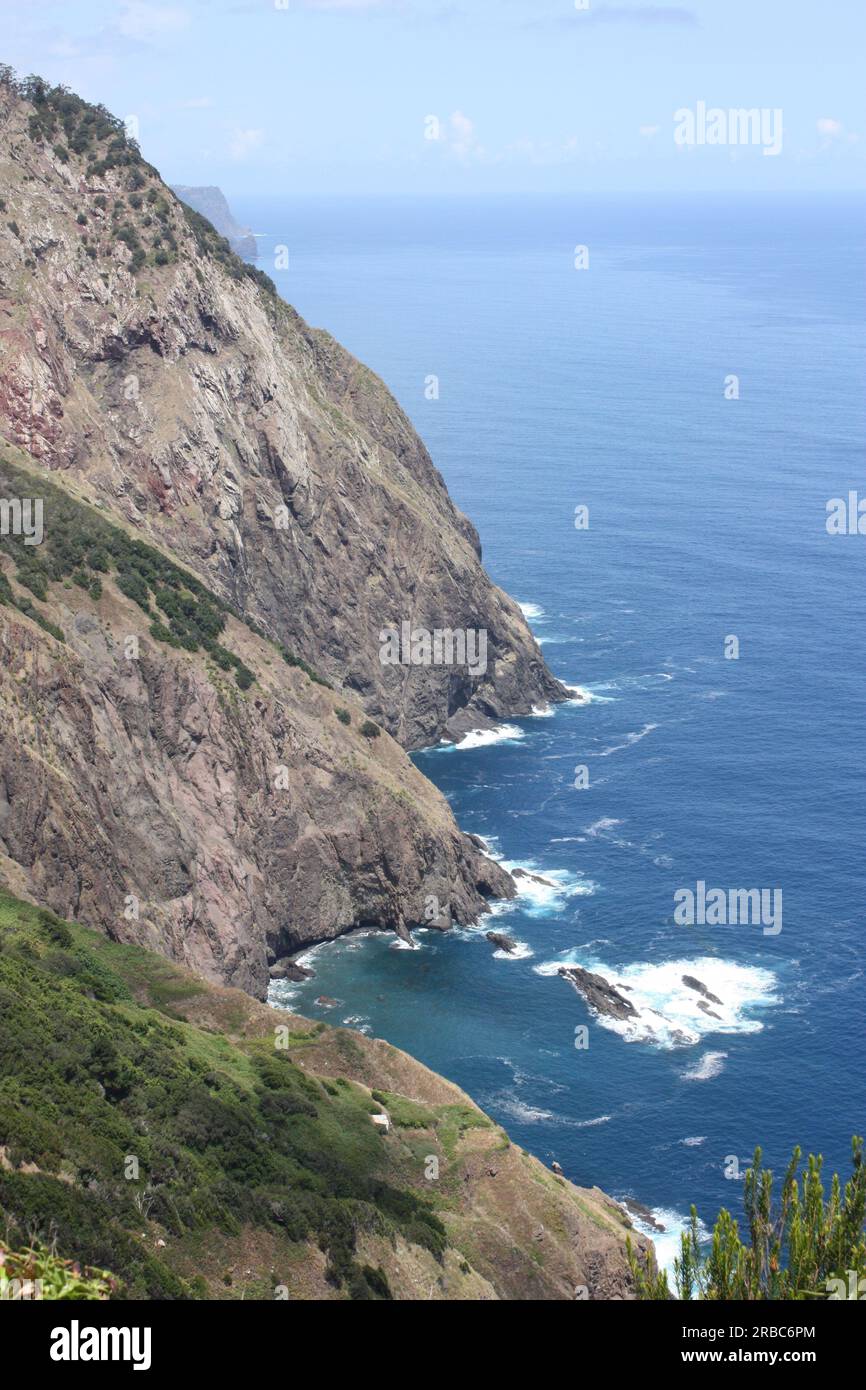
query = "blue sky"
{"x": 335, "y": 96}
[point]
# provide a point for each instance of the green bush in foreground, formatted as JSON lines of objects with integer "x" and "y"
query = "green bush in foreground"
{"x": 39, "y": 1273}
{"x": 805, "y": 1247}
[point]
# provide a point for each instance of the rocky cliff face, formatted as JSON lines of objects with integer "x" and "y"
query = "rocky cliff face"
{"x": 143, "y": 361}
{"x": 142, "y": 790}
{"x": 211, "y": 203}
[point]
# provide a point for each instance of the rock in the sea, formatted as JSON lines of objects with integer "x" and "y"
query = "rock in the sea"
{"x": 503, "y": 942}
{"x": 288, "y": 969}
{"x": 692, "y": 983}
{"x": 326, "y": 1002}
{"x": 635, "y": 1208}
{"x": 536, "y": 878}
{"x": 598, "y": 992}
{"x": 702, "y": 1004}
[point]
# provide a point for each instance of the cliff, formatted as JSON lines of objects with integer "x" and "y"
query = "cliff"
{"x": 211, "y": 203}
{"x": 146, "y": 363}
{"x": 174, "y": 777}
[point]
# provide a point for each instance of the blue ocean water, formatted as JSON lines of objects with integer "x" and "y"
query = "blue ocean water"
{"x": 604, "y": 388}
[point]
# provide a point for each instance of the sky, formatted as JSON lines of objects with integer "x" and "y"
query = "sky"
{"x": 467, "y": 96}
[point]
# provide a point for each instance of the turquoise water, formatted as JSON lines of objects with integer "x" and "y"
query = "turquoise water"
{"x": 605, "y": 388}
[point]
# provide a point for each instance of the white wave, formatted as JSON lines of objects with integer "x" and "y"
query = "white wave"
{"x": 400, "y": 945}
{"x": 710, "y": 1065}
{"x": 483, "y": 738}
{"x": 668, "y": 1012}
{"x": 521, "y": 951}
{"x": 590, "y": 1124}
{"x": 630, "y": 740}
{"x": 531, "y": 610}
{"x": 581, "y": 695}
{"x": 667, "y": 1241}
{"x": 542, "y": 712}
{"x": 600, "y": 827}
{"x": 518, "y": 1110}
{"x": 548, "y": 890}
{"x": 694, "y": 1141}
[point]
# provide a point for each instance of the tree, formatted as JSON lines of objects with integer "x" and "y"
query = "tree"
{"x": 805, "y": 1247}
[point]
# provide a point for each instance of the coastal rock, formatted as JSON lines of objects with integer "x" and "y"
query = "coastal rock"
{"x": 289, "y": 970}
{"x": 533, "y": 878}
{"x": 599, "y": 994}
{"x": 691, "y": 983}
{"x": 503, "y": 942}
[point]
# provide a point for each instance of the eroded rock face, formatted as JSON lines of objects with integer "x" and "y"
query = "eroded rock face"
{"x": 152, "y": 799}
{"x": 599, "y": 994}
{"x": 204, "y": 412}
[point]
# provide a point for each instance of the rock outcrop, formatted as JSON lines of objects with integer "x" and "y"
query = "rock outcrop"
{"x": 598, "y": 992}
{"x": 143, "y": 791}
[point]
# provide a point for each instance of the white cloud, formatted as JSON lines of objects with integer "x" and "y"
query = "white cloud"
{"x": 144, "y": 22}
{"x": 830, "y": 127}
{"x": 462, "y": 136}
{"x": 244, "y": 142}
{"x": 346, "y": 4}
{"x": 649, "y": 130}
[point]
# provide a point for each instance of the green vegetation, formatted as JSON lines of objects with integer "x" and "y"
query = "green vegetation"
{"x": 132, "y": 1122}
{"x": 291, "y": 660}
{"x": 214, "y": 246}
{"x": 82, "y": 545}
{"x": 795, "y": 1251}
{"x": 343, "y": 715}
{"x": 39, "y": 1272}
{"x": 369, "y": 729}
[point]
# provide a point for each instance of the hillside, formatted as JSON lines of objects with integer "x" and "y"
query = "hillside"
{"x": 145, "y": 363}
{"x": 211, "y": 203}
{"x": 172, "y": 776}
{"x": 191, "y": 1143}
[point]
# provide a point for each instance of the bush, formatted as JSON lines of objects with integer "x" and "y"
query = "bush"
{"x": 801, "y": 1249}
{"x": 369, "y": 729}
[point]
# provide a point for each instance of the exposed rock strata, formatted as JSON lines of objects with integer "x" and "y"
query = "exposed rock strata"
{"x": 206, "y": 413}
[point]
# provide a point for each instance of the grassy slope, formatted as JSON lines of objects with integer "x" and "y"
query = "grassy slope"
{"x": 95, "y": 1069}
{"x": 258, "y": 1163}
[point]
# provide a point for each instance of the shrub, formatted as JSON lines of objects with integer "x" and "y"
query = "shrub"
{"x": 800, "y": 1249}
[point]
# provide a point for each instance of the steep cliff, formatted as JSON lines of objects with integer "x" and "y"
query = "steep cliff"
{"x": 168, "y": 774}
{"x": 166, "y": 377}
{"x": 211, "y": 203}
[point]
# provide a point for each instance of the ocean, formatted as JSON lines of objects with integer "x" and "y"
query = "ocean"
{"x": 699, "y": 389}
